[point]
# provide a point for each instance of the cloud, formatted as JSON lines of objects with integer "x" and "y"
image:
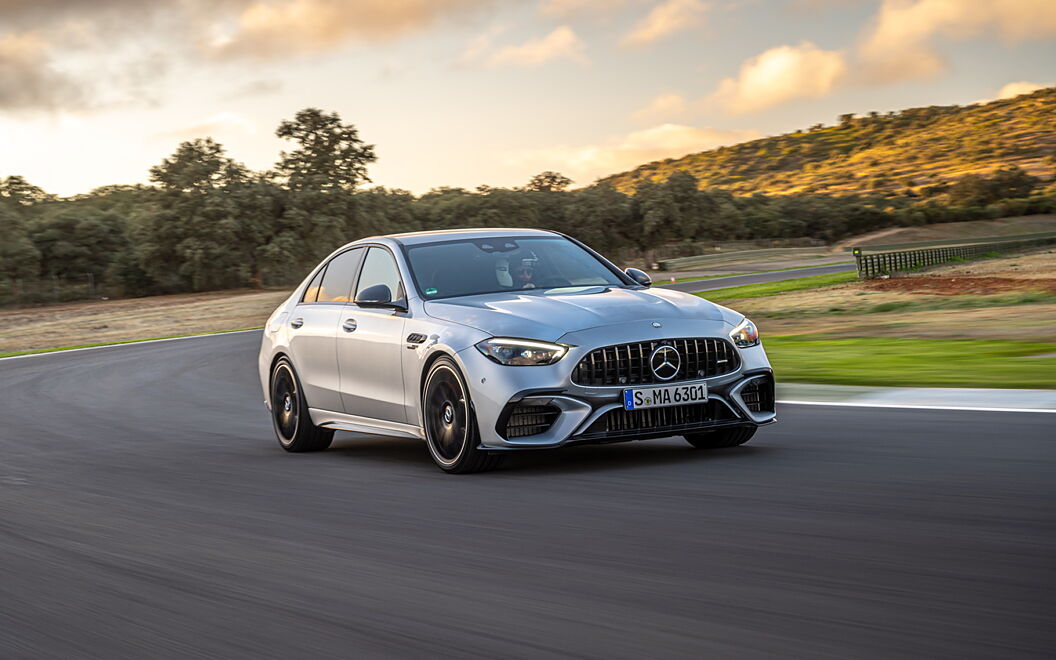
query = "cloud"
{"x": 779, "y": 75}
{"x": 665, "y": 106}
{"x": 1022, "y": 87}
{"x": 664, "y": 20}
{"x": 28, "y": 81}
{"x": 564, "y": 8}
{"x": 562, "y": 43}
{"x": 219, "y": 124}
{"x": 898, "y": 46}
{"x": 267, "y": 29}
{"x": 589, "y": 162}
{"x": 260, "y": 87}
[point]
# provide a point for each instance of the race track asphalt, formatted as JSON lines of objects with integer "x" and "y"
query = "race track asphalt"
{"x": 697, "y": 286}
{"x": 146, "y": 511}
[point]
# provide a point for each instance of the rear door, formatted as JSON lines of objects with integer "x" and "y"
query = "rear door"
{"x": 314, "y": 327}
{"x": 370, "y": 345}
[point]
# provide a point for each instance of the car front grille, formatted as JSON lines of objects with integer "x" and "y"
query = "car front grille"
{"x": 620, "y": 423}
{"x": 526, "y": 420}
{"x": 628, "y": 364}
{"x": 758, "y": 394}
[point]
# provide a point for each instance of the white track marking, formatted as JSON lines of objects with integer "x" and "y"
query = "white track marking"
{"x": 127, "y": 343}
{"x": 852, "y": 404}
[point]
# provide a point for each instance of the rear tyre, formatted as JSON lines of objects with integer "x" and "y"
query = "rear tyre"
{"x": 450, "y": 425}
{"x": 289, "y": 412}
{"x": 721, "y": 438}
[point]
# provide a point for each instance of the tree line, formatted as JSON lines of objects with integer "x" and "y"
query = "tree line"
{"x": 207, "y": 222}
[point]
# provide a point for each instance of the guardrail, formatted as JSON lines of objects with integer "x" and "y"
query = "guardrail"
{"x": 883, "y": 263}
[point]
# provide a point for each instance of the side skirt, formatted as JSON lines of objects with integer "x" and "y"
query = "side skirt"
{"x": 345, "y": 422}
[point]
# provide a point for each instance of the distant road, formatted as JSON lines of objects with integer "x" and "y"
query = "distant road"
{"x": 146, "y": 511}
{"x": 757, "y": 278}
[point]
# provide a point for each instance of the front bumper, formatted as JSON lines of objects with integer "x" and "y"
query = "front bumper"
{"x": 558, "y": 412}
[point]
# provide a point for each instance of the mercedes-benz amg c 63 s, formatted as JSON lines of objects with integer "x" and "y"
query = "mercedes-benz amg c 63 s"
{"x": 483, "y": 342}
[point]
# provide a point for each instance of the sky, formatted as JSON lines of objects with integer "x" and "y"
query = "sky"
{"x": 483, "y": 92}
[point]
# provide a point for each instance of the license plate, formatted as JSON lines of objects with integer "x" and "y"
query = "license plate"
{"x": 664, "y": 395}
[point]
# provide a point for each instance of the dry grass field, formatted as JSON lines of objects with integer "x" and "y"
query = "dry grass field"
{"x": 99, "y": 322}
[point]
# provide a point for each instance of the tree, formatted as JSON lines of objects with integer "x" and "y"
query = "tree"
{"x": 19, "y": 191}
{"x": 549, "y": 182}
{"x": 330, "y": 156}
{"x": 75, "y": 241}
{"x": 198, "y": 166}
{"x": 18, "y": 257}
{"x": 192, "y": 240}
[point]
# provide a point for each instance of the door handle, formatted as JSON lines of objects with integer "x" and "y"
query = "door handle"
{"x": 296, "y": 323}
{"x": 349, "y": 325}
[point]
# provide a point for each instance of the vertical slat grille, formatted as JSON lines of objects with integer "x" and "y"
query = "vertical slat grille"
{"x": 628, "y": 364}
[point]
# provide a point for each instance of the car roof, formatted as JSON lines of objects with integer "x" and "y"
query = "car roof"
{"x": 437, "y": 236}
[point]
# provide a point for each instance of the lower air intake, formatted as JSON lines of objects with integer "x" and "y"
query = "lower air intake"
{"x": 526, "y": 420}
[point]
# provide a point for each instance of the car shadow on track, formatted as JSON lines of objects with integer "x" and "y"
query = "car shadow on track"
{"x": 584, "y": 458}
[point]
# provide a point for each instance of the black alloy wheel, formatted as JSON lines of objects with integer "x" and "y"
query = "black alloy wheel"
{"x": 289, "y": 413}
{"x": 450, "y": 426}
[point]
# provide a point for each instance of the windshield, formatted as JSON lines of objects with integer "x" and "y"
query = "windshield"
{"x": 471, "y": 267}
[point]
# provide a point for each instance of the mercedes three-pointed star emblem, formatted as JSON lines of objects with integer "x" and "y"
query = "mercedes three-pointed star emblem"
{"x": 665, "y": 362}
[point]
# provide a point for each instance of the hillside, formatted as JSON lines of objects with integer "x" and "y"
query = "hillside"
{"x": 895, "y": 153}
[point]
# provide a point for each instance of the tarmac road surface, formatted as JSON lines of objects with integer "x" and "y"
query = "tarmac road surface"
{"x": 697, "y": 286}
{"x": 146, "y": 511}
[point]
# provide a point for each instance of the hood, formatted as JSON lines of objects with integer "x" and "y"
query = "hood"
{"x": 549, "y": 314}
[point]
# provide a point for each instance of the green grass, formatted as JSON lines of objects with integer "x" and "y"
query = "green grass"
{"x": 912, "y": 362}
{"x": 777, "y": 288}
{"x": 117, "y": 343}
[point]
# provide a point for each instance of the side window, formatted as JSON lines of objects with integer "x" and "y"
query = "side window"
{"x": 311, "y": 293}
{"x": 380, "y": 268}
{"x": 339, "y": 276}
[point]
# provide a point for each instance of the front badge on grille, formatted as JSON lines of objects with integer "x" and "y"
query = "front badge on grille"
{"x": 665, "y": 362}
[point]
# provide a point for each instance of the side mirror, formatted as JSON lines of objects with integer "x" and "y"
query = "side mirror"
{"x": 639, "y": 276}
{"x": 379, "y": 295}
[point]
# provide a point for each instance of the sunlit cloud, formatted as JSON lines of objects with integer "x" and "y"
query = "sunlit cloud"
{"x": 779, "y": 75}
{"x": 266, "y": 30}
{"x": 898, "y": 45}
{"x": 666, "y": 19}
{"x": 1022, "y": 87}
{"x": 562, "y": 8}
{"x": 28, "y": 81}
{"x": 218, "y": 124}
{"x": 663, "y": 107}
{"x": 586, "y": 163}
{"x": 561, "y": 44}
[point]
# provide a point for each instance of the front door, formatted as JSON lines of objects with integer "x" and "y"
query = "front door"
{"x": 369, "y": 345}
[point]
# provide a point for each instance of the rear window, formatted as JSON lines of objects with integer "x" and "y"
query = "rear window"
{"x": 339, "y": 276}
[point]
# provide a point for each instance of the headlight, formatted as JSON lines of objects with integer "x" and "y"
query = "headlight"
{"x": 521, "y": 352}
{"x": 745, "y": 335}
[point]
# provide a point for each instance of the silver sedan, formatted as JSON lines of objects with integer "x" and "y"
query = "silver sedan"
{"x": 483, "y": 342}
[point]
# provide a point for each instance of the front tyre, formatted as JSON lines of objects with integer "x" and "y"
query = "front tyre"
{"x": 289, "y": 412}
{"x": 450, "y": 426}
{"x": 721, "y": 438}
